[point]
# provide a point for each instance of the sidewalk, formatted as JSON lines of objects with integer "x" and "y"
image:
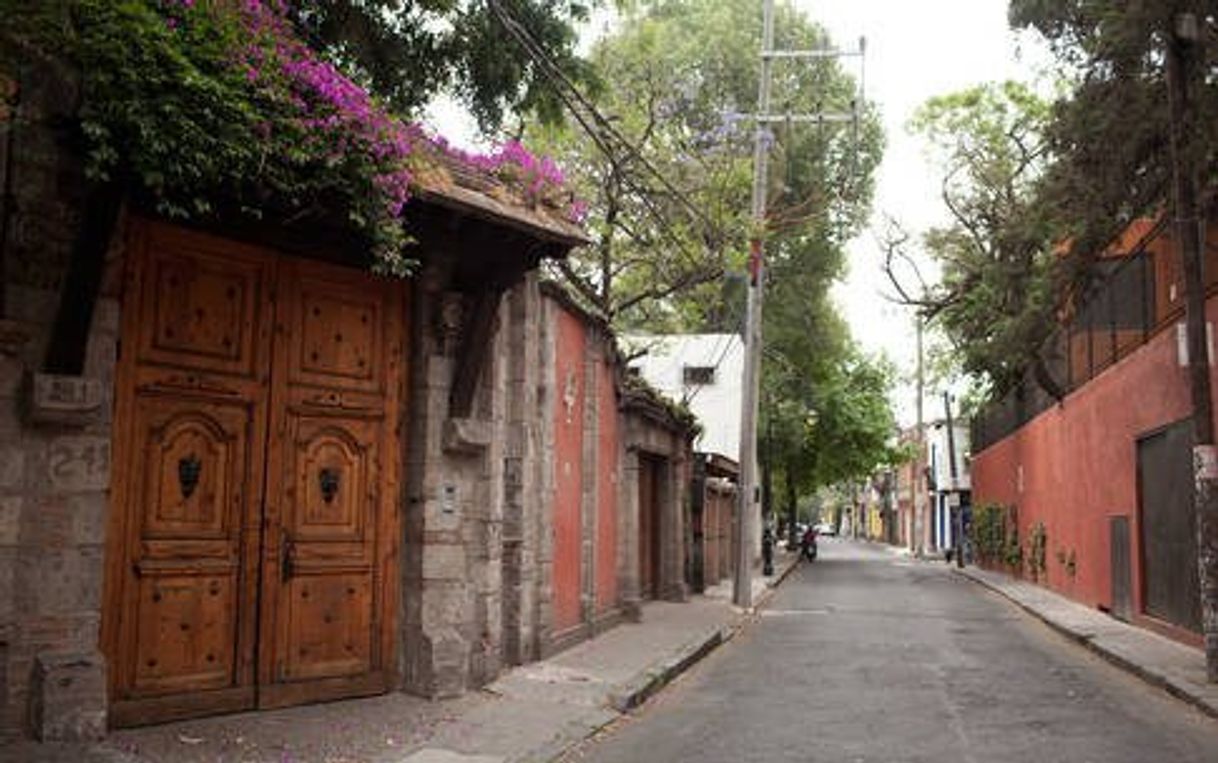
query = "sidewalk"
{"x": 1160, "y": 661}
{"x": 532, "y": 713}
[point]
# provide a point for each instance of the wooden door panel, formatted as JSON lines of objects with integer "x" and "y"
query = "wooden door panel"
{"x": 1171, "y": 590}
{"x": 187, "y": 510}
{"x": 328, "y": 552}
{"x": 252, "y": 376}
{"x": 328, "y": 629}
{"x": 332, "y": 487}
{"x": 180, "y": 620}
{"x": 334, "y": 479}
{"x": 336, "y": 343}
{"x": 192, "y": 453}
{"x": 204, "y": 302}
{"x": 187, "y": 631}
{"x": 647, "y": 488}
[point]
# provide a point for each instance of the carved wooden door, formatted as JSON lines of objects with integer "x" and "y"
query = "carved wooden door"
{"x": 331, "y": 481}
{"x": 256, "y": 469}
{"x": 190, "y": 424}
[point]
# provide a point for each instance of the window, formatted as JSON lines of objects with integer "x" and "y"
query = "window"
{"x": 699, "y": 375}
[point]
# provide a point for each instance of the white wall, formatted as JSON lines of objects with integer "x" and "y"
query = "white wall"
{"x": 716, "y": 405}
{"x": 936, "y": 438}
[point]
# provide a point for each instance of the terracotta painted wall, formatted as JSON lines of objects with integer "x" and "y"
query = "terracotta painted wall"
{"x": 606, "y": 490}
{"x": 568, "y": 477}
{"x": 1075, "y": 465}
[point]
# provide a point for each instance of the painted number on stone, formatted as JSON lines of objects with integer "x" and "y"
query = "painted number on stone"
{"x": 79, "y": 463}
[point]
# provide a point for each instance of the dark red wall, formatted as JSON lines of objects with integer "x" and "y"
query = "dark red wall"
{"x": 569, "y": 390}
{"x": 1078, "y": 463}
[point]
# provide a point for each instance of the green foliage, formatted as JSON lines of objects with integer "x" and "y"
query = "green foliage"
{"x": 1037, "y": 551}
{"x": 192, "y": 106}
{"x": 197, "y": 108}
{"x": 1109, "y": 132}
{"x": 407, "y": 51}
{"x": 684, "y": 76}
{"x": 994, "y": 536}
{"x": 999, "y": 289}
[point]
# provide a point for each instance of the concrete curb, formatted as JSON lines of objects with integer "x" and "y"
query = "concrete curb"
{"x": 1152, "y": 675}
{"x": 638, "y": 690}
{"x": 633, "y": 693}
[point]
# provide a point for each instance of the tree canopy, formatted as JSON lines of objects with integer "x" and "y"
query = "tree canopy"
{"x": 670, "y": 216}
{"x": 1109, "y": 133}
{"x": 193, "y": 106}
{"x": 407, "y": 51}
{"x": 995, "y": 299}
{"x": 1038, "y": 188}
{"x": 670, "y": 204}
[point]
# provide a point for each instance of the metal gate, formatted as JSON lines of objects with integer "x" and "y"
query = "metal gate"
{"x": 1169, "y": 541}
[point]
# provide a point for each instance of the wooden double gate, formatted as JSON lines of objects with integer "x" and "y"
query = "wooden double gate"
{"x": 254, "y": 524}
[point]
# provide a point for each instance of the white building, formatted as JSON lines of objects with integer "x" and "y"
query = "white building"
{"x": 705, "y": 371}
{"x": 947, "y": 492}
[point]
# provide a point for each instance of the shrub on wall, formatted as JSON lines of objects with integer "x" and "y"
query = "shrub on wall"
{"x": 194, "y": 103}
{"x": 995, "y": 536}
{"x": 1037, "y": 550}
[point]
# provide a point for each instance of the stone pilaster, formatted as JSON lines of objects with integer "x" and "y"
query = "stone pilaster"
{"x": 590, "y": 477}
{"x": 628, "y": 529}
{"x": 542, "y": 517}
{"x": 522, "y": 475}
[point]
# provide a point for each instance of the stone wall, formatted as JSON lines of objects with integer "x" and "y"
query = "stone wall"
{"x": 477, "y": 551}
{"x": 614, "y": 434}
{"x": 475, "y": 558}
{"x": 648, "y": 431}
{"x": 54, "y": 477}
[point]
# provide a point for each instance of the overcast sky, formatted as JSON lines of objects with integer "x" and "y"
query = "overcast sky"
{"x": 915, "y": 50}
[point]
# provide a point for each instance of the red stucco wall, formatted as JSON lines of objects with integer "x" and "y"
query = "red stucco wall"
{"x": 568, "y": 476}
{"x": 1074, "y": 466}
{"x": 606, "y": 490}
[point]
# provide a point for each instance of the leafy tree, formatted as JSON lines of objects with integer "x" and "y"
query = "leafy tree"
{"x": 407, "y": 51}
{"x": 1109, "y": 134}
{"x": 670, "y": 204}
{"x": 1000, "y": 277}
{"x": 1116, "y": 142}
{"x": 670, "y": 217}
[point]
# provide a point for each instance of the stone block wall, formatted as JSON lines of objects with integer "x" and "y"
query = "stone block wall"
{"x": 474, "y": 555}
{"x": 54, "y": 478}
{"x": 648, "y": 431}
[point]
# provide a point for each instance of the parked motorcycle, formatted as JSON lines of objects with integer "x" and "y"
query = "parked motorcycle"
{"x": 807, "y": 544}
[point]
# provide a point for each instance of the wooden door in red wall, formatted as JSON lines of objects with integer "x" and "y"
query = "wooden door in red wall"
{"x": 649, "y": 526}
{"x": 1170, "y": 585}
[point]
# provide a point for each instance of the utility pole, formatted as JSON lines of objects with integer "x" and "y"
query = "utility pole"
{"x": 919, "y": 475}
{"x": 956, "y": 509}
{"x": 742, "y": 589}
{"x": 1182, "y": 72}
{"x": 742, "y": 583}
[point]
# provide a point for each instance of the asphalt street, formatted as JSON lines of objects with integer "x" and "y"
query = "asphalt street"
{"x": 865, "y": 657}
